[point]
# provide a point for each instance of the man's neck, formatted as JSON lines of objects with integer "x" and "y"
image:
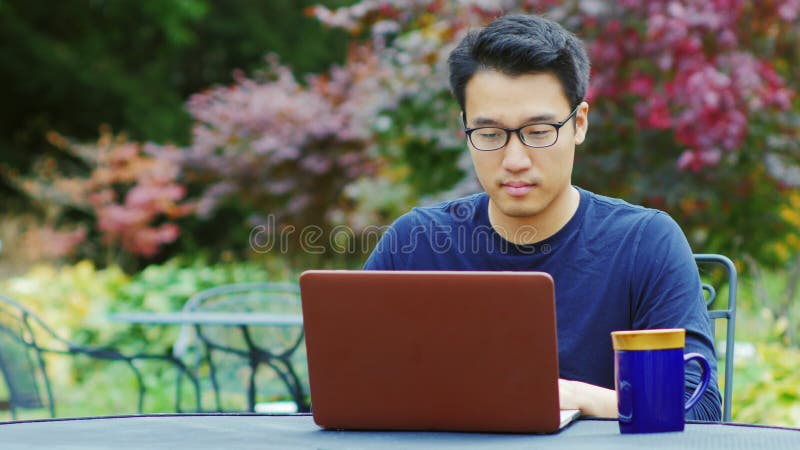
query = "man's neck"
{"x": 533, "y": 229}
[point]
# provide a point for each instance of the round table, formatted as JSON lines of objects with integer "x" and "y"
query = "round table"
{"x": 244, "y": 431}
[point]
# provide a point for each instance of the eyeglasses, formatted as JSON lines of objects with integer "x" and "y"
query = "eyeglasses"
{"x": 536, "y": 135}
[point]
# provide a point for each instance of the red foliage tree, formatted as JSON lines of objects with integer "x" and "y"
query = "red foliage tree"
{"x": 691, "y": 101}
{"x": 129, "y": 191}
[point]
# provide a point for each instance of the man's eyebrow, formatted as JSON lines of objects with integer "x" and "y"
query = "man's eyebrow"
{"x": 541, "y": 118}
{"x": 483, "y": 121}
{"x": 486, "y": 121}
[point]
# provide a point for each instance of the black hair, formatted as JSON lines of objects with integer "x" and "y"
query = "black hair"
{"x": 517, "y": 45}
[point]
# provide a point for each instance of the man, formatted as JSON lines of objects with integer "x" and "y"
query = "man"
{"x": 520, "y": 83}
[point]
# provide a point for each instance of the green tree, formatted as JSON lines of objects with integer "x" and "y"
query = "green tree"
{"x": 72, "y": 65}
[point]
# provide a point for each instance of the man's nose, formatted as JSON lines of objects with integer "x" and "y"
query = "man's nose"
{"x": 516, "y": 155}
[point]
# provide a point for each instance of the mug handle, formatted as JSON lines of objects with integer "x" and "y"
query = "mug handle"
{"x": 704, "y": 379}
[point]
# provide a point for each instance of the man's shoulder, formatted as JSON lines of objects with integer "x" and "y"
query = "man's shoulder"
{"x": 460, "y": 210}
{"x": 601, "y": 206}
{"x": 612, "y": 218}
{"x": 616, "y": 204}
{"x": 410, "y": 243}
{"x": 642, "y": 230}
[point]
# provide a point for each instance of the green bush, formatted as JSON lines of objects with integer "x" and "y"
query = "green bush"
{"x": 766, "y": 379}
{"x": 76, "y": 301}
{"x": 766, "y": 386}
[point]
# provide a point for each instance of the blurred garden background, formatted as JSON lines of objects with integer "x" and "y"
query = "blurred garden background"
{"x": 150, "y": 149}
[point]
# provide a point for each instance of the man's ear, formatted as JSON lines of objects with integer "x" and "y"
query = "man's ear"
{"x": 581, "y": 123}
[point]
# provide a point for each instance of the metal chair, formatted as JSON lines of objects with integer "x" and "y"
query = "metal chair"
{"x": 25, "y": 340}
{"x": 720, "y": 271}
{"x": 226, "y": 359}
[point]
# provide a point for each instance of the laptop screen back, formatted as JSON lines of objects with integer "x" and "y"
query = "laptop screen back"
{"x": 456, "y": 351}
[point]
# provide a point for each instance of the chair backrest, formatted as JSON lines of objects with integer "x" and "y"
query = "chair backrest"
{"x": 226, "y": 353}
{"x": 244, "y": 297}
{"x": 26, "y": 341}
{"x": 717, "y": 272}
{"x": 21, "y": 360}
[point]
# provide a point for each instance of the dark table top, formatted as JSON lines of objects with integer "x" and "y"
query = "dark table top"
{"x": 299, "y": 431}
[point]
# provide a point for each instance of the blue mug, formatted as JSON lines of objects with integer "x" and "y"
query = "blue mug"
{"x": 649, "y": 377}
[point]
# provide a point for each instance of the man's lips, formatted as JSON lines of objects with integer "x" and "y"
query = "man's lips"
{"x": 517, "y": 188}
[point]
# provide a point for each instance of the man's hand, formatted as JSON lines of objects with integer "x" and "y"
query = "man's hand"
{"x": 590, "y": 399}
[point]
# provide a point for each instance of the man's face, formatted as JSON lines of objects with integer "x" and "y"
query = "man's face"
{"x": 521, "y": 181}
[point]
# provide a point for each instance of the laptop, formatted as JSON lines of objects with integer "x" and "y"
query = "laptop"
{"x": 432, "y": 350}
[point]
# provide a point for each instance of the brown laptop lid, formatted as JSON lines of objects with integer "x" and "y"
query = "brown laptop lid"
{"x": 458, "y": 351}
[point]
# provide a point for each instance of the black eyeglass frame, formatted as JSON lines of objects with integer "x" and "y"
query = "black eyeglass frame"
{"x": 518, "y": 131}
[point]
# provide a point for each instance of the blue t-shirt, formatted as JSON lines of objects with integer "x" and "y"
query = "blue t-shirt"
{"x": 616, "y": 266}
